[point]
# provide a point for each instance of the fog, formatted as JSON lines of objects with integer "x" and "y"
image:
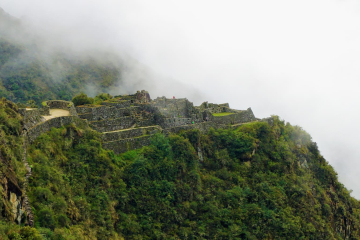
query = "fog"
{"x": 295, "y": 59}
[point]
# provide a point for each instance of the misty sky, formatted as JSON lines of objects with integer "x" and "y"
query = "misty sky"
{"x": 296, "y": 59}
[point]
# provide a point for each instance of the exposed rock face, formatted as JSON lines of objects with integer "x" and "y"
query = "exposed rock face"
{"x": 17, "y": 207}
{"x": 13, "y": 194}
{"x": 142, "y": 97}
{"x": 32, "y": 116}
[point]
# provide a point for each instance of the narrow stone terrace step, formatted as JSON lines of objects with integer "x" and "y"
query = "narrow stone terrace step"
{"x": 239, "y": 124}
{"x": 105, "y": 112}
{"x": 109, "y": 125}
{"x": 127, "y": 144}
{"x": 129, "y": 133}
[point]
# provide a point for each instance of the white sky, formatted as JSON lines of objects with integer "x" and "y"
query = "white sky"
{"x": 296, "y": 59}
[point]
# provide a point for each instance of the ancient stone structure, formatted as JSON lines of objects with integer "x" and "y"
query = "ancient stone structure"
{"x": 127, "y": 121}
{"x": 35, "y": 124}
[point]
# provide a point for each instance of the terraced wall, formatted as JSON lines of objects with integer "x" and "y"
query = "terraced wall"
{"x": 123, "y": 145}
{"x": 240, "y": 117}
{"x": 129, "y": 133}
{"x": 58, "y": 122}
{"x": 109, "y": 125}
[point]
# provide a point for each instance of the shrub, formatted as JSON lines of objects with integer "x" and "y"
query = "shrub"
{"x": 46, "y": 218}
{"x": 82, "y": 99}
{"x": 30, "y": 233}
{"x": 102, "y": 97}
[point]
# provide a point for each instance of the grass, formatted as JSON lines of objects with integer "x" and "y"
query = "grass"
{"x": 222, "y": 114}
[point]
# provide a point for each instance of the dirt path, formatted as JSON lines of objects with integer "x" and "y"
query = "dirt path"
{"x": 57, "y": 113}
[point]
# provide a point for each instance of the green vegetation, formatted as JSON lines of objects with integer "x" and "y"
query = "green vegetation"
{"x": 222, "y": 114}
{"x": 102, "y": 97}
{"x": 254, "y": 182}
{"x": 82, "y": 99}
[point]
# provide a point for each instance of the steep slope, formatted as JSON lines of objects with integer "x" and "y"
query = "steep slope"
{"x": 12, "y": 170}
{"x": 259, "y": 181}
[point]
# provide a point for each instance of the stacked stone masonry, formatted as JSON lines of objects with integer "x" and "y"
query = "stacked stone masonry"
{"x": 58, "y": 122}
{"x": 31, "y": 117}
{"x": 128, "y": 121}
{"x": 109, "y": 125}
{"x": 129, "y": 133}
{"x": 123, "y": 145}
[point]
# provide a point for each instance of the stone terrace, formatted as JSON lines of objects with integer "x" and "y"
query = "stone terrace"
{"x": 128, "y": 121}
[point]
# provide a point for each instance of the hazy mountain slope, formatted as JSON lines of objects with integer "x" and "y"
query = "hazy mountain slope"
{"x": 24, "y": 75}
{"x": 32, "y": 68}
{"x": 259, "y": 181}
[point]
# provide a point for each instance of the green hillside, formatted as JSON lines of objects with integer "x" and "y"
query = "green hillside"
{"x": 258, "y": 181}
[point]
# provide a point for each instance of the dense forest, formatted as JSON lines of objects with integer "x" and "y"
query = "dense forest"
{"x": 259, "y": 181}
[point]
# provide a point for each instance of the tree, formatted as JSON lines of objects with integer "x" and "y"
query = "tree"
{"x": 82, "y": 99}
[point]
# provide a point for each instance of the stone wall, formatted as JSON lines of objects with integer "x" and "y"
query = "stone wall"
{"x": 86, "y": 109}
{"x": 45, "y": 110}
{"x": 58, "y": 122}
{"x": 123, "y": 145}
{"x": 129, "y": 133}
{"x": 215, "y": 108}
{"x": 119, "y": 104}
{"x": 146, "y": 122}
{"x": 109, "y": 125}
{"x": 31, "y": 117}
{"x": 106, "y": 112}
{"x": 171, "y": 108}
{"x": 204, "y": 127}
{"x": 175, "y": 122}
{"x": 239, "y": 117}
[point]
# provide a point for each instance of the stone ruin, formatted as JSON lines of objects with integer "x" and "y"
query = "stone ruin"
{"x": 128, "y": 121}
